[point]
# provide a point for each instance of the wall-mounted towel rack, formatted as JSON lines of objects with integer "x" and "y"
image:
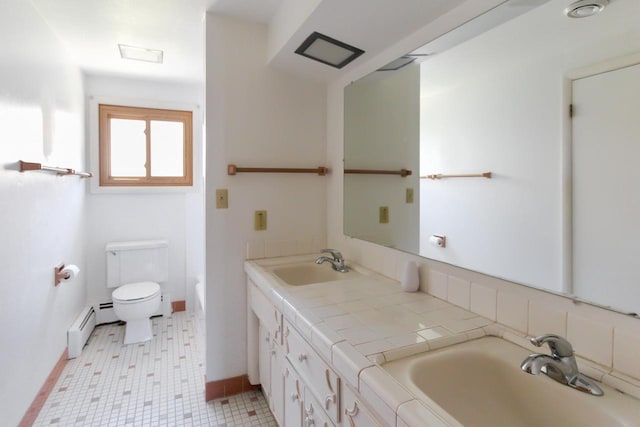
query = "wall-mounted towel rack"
{"x": 29, "y": 166}
{"x": 402, "y": 172}
{"x": 469, "y": 175}
{"x": 233, "y": 170}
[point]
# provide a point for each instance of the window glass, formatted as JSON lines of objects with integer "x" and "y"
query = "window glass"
{"x": 128, "y": 148}
{"x": 167, "y": 148}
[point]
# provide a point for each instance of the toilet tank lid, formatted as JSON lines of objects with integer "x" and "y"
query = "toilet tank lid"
{"x": 136, "y": 245}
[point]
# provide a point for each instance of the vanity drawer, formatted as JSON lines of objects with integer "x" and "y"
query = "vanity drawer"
{"x": 354, "y": 413}
{"x": 318, "y": 377}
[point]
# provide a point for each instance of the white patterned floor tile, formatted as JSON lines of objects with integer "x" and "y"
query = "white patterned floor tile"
{"x": 157, "y": 383}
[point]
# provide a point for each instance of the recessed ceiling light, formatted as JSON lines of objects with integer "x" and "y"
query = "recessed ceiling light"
{"x": 585, "y": 8}
{"x": 140, "y": 53}
{"x": 327, "y": 50}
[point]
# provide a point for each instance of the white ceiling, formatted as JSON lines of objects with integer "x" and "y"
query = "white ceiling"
{"x": 92, "y": 29}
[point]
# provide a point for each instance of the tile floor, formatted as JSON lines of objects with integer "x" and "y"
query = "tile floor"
{"x": 158, "y": 383}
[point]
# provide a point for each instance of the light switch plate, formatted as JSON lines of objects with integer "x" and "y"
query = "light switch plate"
{"x": 409, "y": 195}
{"x": 260, "y": 220}
{"x": 384, "y": 214}
{"x": 222, "y": 198}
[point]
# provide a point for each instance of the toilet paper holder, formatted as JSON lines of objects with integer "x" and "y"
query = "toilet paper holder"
{"x": 438, "y": 240}
{"x": 63, "y": 273}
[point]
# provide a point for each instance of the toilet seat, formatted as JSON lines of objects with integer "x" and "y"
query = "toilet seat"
{"x": 133, "y": 293}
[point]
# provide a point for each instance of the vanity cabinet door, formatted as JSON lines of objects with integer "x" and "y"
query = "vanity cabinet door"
{"x": 354, "y": 413}
{"x": 314, "y": 415}
{"x": 276, "y": 402}
{"x": 293, "y": 394}
{"x": 264, "y": 359}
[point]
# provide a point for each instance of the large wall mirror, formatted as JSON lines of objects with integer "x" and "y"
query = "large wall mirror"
{"x": 559, "y": 210}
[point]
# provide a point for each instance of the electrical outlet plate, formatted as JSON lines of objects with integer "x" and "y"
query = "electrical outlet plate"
{"x": 222, "y": 198}
{"x": 384, "y": 214}
{"x": 409, "y": 195}
{"x": 260, "y": 220}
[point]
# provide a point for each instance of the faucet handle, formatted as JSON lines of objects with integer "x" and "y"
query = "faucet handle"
{"x": 337, "y": 256}
{"x": 559, "y": 346}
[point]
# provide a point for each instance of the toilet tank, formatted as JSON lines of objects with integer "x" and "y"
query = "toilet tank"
{"x": 139, "y": 261}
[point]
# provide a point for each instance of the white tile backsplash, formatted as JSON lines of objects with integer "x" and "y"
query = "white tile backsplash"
{"x": 591, "y": 340}
{"x": 513, "y": 310}
{"x": 255, "y": 249}
{"x": 258, "y": 249}
{"x": 272, "y": 249}
{"x": 545, "y": 320}
{"x": 437, "y": 284}
{"x": 458, "y": 291}
{"x": 483, "y": 300}
{"x": 626, "y": 351}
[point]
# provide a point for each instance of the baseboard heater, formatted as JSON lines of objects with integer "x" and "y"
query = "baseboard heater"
{"x": 80, "y": 331}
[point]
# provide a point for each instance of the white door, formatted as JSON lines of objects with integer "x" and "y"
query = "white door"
{"x": 606, "y": 188}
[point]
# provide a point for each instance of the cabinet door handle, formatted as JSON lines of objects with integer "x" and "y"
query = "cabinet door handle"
{"x": 331, "y": 398}
{"x": 294, "y": 397}
{"x": 352, "y": 412}
{"x": 309, "y": 418}
{"x": 327, "y": 376}
{"x": 302, "y": 357}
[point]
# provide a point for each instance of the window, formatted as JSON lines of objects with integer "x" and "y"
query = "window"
{"x": 145, "y": 146}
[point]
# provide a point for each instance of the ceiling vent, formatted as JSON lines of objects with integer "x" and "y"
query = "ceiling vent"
{"x": 140, "y": 54}
{"x": 327, "y": 50}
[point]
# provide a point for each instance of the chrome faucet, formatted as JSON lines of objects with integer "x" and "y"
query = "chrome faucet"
{"x": 560, "y": 365}
{"x": 337, "y": 262}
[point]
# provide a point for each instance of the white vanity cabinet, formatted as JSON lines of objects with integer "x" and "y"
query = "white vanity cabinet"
{"x": 321, "y": 382}
{"x": 302, "y": 388}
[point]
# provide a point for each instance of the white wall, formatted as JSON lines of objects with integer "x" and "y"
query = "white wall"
{"x": 256, "y": 116}
{"x": 141, "y": 214}
{"x": 41, "y": 214}
{"x": 382, "y": 130}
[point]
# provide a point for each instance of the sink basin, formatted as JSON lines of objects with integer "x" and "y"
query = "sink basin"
{"x": 479, "y": 383}
{"x": 308, "y": 273}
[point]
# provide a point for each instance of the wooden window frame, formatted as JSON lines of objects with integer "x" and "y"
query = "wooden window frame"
{"x": 107, "y": 112}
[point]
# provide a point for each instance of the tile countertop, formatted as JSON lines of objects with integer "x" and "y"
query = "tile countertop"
{"x": 360, "y": 323}
{"x": 364, "y": 322}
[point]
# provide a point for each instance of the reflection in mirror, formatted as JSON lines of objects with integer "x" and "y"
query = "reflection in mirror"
{"x": 499, "y": 102}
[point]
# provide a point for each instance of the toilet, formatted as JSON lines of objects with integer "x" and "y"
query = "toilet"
{"x": 136, "y": 270}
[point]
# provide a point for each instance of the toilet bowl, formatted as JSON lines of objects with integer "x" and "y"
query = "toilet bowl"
{"x": 137, "y": 270}
{"x": 135, "y": 303}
